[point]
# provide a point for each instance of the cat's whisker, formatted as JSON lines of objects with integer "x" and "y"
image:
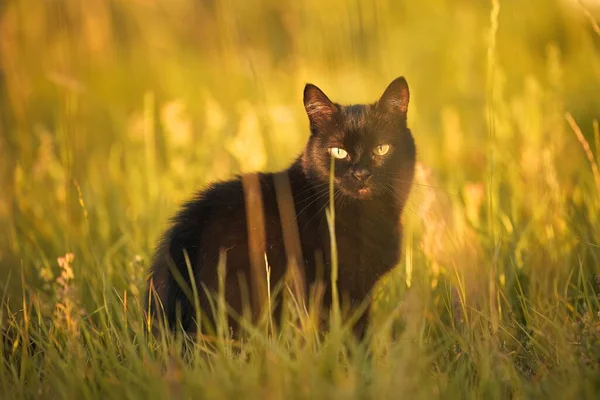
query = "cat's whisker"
{"x": 312, "y": 195}
{"x": 321, "y": 209}
{"x": 342, "y": 199}
{"x": 422, "y": 185}
{"x": 411, "y": 204}
{"x": 310, "y": 188}
{"x": 321, "y": 195}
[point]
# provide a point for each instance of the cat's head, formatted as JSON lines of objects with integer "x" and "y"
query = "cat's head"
{"x": 373, "y": 149}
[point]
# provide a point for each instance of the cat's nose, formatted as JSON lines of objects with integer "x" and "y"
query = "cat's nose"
{"x": 361, "y": 174}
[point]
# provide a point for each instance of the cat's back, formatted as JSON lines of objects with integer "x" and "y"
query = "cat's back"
{"x": 193, "y": 219}
{"x": 216, "y": 201}
{"x": 216, "y": 218}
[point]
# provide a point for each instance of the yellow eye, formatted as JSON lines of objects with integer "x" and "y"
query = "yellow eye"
{"x": 338, "y": 152}
{"x": 381, "y": 150}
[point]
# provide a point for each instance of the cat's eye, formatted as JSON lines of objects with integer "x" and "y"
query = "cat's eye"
{"x": 381, "y": 150}
{"x": 338, "y": 152}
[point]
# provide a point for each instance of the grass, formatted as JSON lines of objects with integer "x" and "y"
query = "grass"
{"x": 111, "y": 115}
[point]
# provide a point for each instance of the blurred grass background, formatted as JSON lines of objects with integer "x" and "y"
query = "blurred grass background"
{"x": 113, "y": 112}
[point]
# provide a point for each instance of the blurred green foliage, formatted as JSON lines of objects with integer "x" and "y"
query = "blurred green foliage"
{"x": 113, "y": 112}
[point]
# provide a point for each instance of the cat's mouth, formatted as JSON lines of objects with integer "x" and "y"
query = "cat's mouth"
{"x": 356, "y": 190}
{"x": 362, "y": 192}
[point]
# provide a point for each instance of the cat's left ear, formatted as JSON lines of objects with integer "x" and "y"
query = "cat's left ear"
{"x": 395, "y": 98}
{"x": 318, "y": 106}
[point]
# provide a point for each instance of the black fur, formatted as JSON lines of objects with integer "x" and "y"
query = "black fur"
{"x": 368, "y": 228}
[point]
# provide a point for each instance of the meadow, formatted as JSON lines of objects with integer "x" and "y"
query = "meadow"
{"x": 114, "y": 112}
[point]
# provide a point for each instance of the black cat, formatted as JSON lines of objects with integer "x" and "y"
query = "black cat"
{"x": 374, "y": 160}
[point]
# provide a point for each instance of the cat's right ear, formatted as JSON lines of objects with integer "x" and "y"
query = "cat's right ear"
{"x": 317, "y": 105}
{"x": 395, "y": 98}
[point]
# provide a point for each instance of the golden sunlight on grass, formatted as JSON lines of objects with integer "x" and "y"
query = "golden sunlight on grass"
{"x": 114, "y": 112}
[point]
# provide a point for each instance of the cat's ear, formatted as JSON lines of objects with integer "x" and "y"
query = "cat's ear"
{"x": 317, "y": 105}
{"x": 395, "y": 98}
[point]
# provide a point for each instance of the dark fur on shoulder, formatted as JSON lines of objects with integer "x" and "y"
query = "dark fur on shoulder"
{"x": 374, "y": 155}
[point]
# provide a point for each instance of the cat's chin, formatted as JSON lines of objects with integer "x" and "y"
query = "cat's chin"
{"x": 364, "y": 193}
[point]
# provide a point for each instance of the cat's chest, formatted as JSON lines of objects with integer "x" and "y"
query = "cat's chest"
{"x": 365, "y": 234}
{"x": 368, "y": 246}
{"x": 368, "y": 236}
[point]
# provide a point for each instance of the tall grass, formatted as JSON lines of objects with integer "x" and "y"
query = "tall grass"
{"x": 112, "y": 113}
